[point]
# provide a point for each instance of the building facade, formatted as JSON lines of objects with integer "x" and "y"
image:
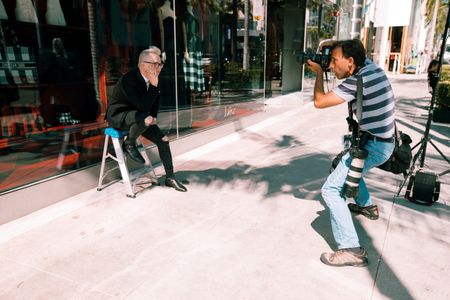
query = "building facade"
{"x": 398, "y": 36}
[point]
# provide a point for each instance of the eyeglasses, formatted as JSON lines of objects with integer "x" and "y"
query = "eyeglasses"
{"x": 158, "y": 64}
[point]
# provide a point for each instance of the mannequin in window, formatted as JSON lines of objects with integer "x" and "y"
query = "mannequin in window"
{"x": 3, "y": 15}
{"x": 193, "y": 67}
{"x": 166, "y": 19}
{"x": 62, "y": 58}
{"x": 54, "y": 14}
{"x": 140, "y": 35}
{"x": 66, "y": 97}
{"x": 119, "y": 52}
{"x": 165, "y": 11}
{"x": 25, "y": 11}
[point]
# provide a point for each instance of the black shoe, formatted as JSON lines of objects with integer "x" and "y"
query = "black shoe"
{"x": 370, "y": 212}
{"x": 172, "y": 182}
{"x": 131, "y": 149}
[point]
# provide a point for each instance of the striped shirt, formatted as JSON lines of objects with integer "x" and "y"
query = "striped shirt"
{"x": 378, "y": 109}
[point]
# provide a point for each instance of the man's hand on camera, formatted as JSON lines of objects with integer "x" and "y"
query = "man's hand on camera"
{"x": 315, "y": 67}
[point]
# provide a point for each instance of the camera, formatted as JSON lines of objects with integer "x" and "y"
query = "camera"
{"x": 323, "y": 58}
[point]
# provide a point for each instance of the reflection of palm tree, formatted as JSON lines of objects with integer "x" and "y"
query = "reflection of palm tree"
{"x": 320, "y": 29}
{"x": 236, "y": 6}
{"x": 245, "y": 56}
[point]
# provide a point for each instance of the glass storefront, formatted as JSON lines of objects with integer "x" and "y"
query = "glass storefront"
{"x": 295, "y": 26}
{"x": 321, "y": 24}
{"x": 59, "y": 61}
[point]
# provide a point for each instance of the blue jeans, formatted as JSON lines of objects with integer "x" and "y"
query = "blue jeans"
{"x": 344, "y": 231}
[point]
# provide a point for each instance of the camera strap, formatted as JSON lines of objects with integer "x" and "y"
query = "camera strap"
{"x": 359, "y": 97}
{"x": 360, "y": 137}
{"x": 353, "y": 124}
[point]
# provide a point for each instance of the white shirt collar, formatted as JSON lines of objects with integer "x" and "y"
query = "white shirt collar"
{"x": 145, "y": 78}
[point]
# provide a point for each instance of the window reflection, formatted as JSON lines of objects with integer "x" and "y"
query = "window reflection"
{"x": 320, "y": 25}
{"x": 46, "y": 90}
{"x": 59, "y": 61}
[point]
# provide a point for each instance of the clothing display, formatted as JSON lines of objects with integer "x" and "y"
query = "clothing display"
{"x": 193, "y": 70}
{"x": 194, "y": 73}
{"x": 167, "y": 76}
{"x": 25, "y": 11}
{"x": 119, "y": 21}
{"x": 194, "y": 42}
{"x": 54, "y": 14}
{"x": 75, "y": 12}
{"x": 166, "y": 10}
{"x": 3, "y": 15}
{"x": 140, "y": 24}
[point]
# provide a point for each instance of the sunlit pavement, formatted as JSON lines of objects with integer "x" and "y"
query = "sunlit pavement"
{"x": 251, "y": 226}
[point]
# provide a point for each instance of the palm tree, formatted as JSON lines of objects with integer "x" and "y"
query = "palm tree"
{"x": 436, "y": 15}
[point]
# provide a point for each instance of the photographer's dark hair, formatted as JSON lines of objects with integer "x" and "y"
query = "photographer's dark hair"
{"x": 352, "y": 48}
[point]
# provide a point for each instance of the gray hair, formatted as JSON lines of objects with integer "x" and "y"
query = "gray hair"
{"x": 147, "y": 52}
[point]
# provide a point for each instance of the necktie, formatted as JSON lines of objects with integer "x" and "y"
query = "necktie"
{"x": 148, "y": 84}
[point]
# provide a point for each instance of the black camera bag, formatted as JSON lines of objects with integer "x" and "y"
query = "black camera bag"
{"x": 401, "y": 157}
{"x": 423, "y": 188}
{"x": 398, "y": 163}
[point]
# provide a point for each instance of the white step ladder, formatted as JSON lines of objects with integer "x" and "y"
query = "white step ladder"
{"x": 117, "y": 137}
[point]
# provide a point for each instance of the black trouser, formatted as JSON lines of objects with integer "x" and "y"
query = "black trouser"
{"x": 134, "y": 123}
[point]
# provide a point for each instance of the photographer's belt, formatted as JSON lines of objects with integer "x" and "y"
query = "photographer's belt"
{"x": 379, "y": 139}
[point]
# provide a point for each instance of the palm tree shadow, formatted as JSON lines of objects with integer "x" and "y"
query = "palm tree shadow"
{"x": 302, "y": 177}
{"x": 289, "y": 178}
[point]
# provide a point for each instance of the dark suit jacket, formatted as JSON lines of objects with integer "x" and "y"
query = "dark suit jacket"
{"x": 131, "y": 94}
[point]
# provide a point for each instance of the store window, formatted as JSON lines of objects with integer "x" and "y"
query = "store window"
{"x": 46, "y": 90}
{"x": 321, "y": 22}
{"x": 231, "y": 40}
{"x": 59, "y": 61}
{"x": 274, "y": 47}
{"x": 213, "y": 51}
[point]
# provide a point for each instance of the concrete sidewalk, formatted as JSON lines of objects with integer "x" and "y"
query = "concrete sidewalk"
{"x": 252, "y": 226}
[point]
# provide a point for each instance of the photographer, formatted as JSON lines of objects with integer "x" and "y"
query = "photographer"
{"x": 377, "y": 123}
